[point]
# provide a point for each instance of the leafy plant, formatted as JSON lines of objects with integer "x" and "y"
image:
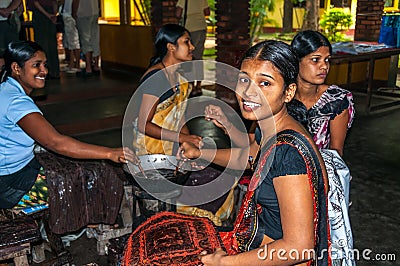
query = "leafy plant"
{"x": 334, "y": 22}
{"x": 259, "y": 16}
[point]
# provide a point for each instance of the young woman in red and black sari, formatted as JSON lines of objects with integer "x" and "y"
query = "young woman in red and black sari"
{"x": 283, "y": 218}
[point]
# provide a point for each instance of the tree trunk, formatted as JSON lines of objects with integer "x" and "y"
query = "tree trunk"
{"x": 311, "y": 16}
{"x": 287, "y": 20}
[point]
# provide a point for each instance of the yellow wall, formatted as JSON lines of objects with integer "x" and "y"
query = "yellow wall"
{"x": 338, "y": 73}
{"x": 298, "y": 14}
{"x": 110, "y": 9}
{"x": 111, "y": 12}
{"x": 127, "y": 45}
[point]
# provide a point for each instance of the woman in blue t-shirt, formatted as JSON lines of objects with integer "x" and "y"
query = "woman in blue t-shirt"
{"x": 22, "y": 125}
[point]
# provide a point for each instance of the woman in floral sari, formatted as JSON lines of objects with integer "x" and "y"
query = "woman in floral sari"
{"x": 327, "y": 111}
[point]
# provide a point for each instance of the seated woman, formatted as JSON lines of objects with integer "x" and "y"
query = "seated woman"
{"x": 285, "y": 208}
{"x": 22, "y": 125}
{"x": 327, "y": 111}
{"x": 159, "y": 121}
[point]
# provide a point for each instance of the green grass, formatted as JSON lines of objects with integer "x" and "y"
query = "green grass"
{"x": 285, "y": 37}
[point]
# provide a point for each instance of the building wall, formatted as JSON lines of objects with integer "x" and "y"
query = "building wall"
{"x": 368, "y": 20}
{"x": 298, "y": 14}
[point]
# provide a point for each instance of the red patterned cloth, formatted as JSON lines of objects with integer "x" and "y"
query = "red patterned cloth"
{"x": 169, "y": 238}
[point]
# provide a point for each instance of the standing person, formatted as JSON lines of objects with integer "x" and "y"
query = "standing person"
{"x": 285, "y": 208}
{"x": 8, "y": 22}
{"x": 44, "y": 20}
{"x": 194, "y": 13}
{"x": 163, "y": 97}
{"x": 70, "y": 38}
{"x": 327, "y": 111}
{"x": 22, "y": 124}
{"x": 86, "y": 14}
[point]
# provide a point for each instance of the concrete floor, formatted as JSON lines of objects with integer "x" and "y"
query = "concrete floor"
{"x": 92, "y": 110}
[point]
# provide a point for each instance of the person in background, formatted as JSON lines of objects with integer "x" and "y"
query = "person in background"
{"x": 86, "y": 14}
{"x": 327, "y": 111}
{"x": 1, "y": 60}
{"x": 44, "y": 20}
{"x": 285, "y": 207}
{"x": 193, "y": 14}
{"x": 22, "y": 124}
{"x": 70, "y": 38}
{"x": 9, "y": 22}
{"x": 162, "y": 95}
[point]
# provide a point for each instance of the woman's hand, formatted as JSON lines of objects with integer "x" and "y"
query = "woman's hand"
{"x": 123, "y": 155}
{"x": 217, "y": 116}
{"x": 193, "y": 139}
{"x": 188, "y": 150}
{"x": 53, "y": 18}
{"x": 5, "y": 12}
{"x": 212, "y": 259}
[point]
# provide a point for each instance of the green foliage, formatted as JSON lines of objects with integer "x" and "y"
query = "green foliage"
{"x": 211, "y": 4}
{"x": 144, "y": 8}
{"x": 334, "y": 22}
{"x": 259, "y": 16}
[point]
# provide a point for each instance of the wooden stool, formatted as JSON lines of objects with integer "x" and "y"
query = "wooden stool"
{"x": 16, "y": 236}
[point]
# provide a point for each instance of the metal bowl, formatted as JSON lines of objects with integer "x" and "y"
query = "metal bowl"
{"x": 155, "y": 181}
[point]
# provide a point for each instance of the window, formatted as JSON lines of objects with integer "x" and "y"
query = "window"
{"x": 389, "y": 3}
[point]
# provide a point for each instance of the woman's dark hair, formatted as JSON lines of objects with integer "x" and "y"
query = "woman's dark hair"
{"x": 169, "y": 33}
{"x": 306, "y": 42}
{"x": 19, "y": 52}
{"x": 280, "y": 55}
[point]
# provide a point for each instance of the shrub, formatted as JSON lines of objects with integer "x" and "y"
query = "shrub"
{"x": 334, "y": 22}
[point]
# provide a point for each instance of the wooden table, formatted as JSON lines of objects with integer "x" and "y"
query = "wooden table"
{"x": 371, "y": 57}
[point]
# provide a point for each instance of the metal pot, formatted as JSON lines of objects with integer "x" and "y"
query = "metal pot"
{"x": 156, "y": 183}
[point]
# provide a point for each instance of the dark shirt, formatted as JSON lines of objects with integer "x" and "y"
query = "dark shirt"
{"x": 287, "y": 161}
{"x": 43, "y": 3}
{"x": 158, "y": 86}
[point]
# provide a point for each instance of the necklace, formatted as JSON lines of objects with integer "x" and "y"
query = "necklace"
{"x": 174, "y": 87}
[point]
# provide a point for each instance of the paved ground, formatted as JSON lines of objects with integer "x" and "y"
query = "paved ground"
{"x": 372, "y": 152}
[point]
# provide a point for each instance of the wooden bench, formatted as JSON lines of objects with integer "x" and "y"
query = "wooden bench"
{"x": 16, "y": 237}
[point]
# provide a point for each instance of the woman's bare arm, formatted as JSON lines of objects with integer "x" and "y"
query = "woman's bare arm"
{"x": 146, "y": 126}
{"x": 296, "y": 209}
{"x": 39, "y": 129}
{"x": 338, "y": 131}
